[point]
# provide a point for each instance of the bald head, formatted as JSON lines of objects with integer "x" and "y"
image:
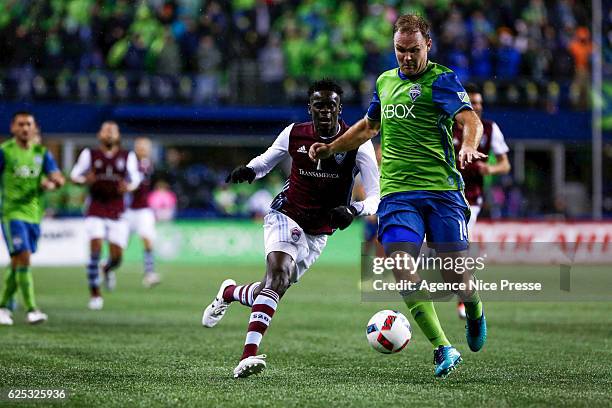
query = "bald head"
{"x": 142, "y": 147}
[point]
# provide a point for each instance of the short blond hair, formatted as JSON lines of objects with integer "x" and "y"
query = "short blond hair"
{"x": 411, "y": 23}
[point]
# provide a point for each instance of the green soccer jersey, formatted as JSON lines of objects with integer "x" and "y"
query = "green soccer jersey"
{"x": 416, "y": 116}
{"x": 21, "y": 172}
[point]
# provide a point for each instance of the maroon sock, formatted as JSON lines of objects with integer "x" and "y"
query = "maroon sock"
{"x": 242, "y": 293}
{"x": 262, "y": 312}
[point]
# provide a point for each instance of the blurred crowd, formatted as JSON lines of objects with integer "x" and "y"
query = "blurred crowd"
{"x": 235, "y": 44}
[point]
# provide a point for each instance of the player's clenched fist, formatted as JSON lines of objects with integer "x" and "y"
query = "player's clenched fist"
{"x": 319, "y": 151}
{"x": 241, "y": 174}
{"x": 341, "y": 217}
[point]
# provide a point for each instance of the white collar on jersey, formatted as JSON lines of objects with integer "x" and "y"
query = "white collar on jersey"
{"x": 337, "y": 131}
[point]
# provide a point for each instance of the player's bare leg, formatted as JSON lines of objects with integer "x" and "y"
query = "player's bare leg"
{"x": 476, "y": 326}
{"x": 421, "y": 307}
{"x": 8, "y": 293}
{"x": 279, "y": 268}
{"x": 151, "y": 278}
{"x": 418, "y": 302}
{"x": 23, "y": 275}
{"x": 114, "y": 261}
{"x": 93, "y": 275}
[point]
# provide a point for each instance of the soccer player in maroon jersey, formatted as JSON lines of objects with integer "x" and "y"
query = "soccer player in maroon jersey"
{"x": 110, "y": 172}
{"x": 473, "y": 173}
{"x": 140, "y": 216}
{"x": 314, "y": 202}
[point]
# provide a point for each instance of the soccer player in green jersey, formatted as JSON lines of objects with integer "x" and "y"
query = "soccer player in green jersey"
{"x": 414, "y": 108}
{"x": 26, "y": 170}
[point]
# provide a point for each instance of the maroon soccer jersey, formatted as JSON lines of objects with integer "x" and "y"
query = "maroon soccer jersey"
{"x": 472, "y": 178}
{"x": 310, "y": 194}
{"x": 106, "y": 201}
{"x": 140, "y": 196}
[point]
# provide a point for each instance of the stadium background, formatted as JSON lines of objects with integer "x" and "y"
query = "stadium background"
{"x": 212, "y": 83}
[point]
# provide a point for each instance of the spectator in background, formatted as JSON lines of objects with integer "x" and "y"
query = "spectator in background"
{"x": 508, "y": 58}
{"x": 258, "y": 204}
{"x": 226, "y": 200}
{"x": 169, "y": 58}
{"x": 454, "y": 28}
{"x": 479, "y": 26}
{"x": 458, "y": 60}
{"x": 272, "y": 70}
{"x": 209, "y": 60}
{"x": 136, "y": 54}
{"x": 296, "y": 50}
{"x": 162, "y": 201}
{"x": 581, "y": 49}
{"x": 481, "y": 66}
{"x": 102, "y": 34}
{"x": 189, "y": 43}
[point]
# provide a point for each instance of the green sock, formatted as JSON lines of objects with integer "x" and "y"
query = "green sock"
{"x": 26, "y": 284}
{"x": 473, "y": 306}
{"x": 424, "y": 314}
{"x": 10, "y": 287}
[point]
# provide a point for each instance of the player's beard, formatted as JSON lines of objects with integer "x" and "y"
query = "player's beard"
{"x": 327, "y": 129}
{"x": 110, "y": 144}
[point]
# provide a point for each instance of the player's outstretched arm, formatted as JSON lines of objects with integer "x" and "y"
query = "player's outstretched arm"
{"x": 261, "y": 165}
{"x": 354, "y": 137}
{"x": 472, "y": 133}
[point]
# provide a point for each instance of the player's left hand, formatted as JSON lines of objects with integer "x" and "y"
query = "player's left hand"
{"x": 342, "y": 217}
{"x": 241, "y": 174}
{"x": 467, "y": 154}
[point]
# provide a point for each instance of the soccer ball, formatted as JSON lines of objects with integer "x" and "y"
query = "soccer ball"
{"x": 388, "y": 331}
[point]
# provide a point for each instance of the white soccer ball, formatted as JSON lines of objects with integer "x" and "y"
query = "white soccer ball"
{"x": 388, "y": 331}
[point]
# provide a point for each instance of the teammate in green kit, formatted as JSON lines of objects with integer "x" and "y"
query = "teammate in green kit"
{"x": 26, "y": 170}
{"x": 414, "y": 108}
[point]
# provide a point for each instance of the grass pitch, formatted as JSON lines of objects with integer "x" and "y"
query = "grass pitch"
{"x": 147, "y": 348}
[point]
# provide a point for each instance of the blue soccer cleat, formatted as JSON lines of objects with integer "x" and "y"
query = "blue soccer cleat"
{"x": 446, "y": 358}
{"x": 476, "y": 332}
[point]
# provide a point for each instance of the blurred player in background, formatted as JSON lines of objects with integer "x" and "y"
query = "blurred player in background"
{"x": 370, "y": 222}
{"x": 473, "y": 173}
{"x": 140, "y": 216}
{"x": 312, "y": 205}
{"x": 110, "y": 172}
{"x": 414, "y": 108}
{"x": 26, "y": 170}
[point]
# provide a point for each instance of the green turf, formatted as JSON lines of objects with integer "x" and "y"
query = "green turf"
{"x": 147, "y": 348}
